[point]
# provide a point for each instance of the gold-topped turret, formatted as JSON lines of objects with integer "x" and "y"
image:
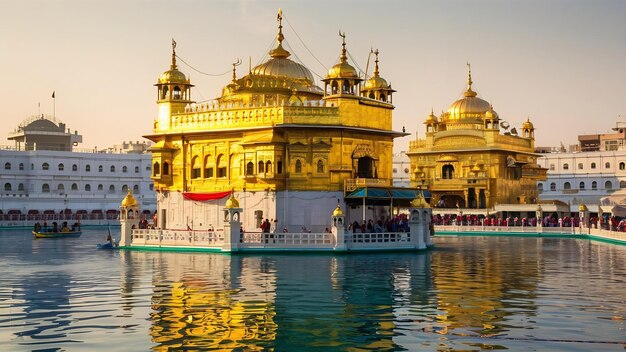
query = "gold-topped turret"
{"x": 469, "y": 92}
{"x": 129, "y": 200}
{"x": 279, "y": 51}
{"x": 231, "y": 202}
{"x": 419, "y": 201}
{"x": 343, "y": 69}
{"x": 338, "y": 211}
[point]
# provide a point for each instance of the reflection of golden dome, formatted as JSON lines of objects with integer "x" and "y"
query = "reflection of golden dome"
{"x": 527, "y": 124}
{"x": 232, "y": 202}
{"x": 338, "y": 211}
{"x": 129, "y": 200}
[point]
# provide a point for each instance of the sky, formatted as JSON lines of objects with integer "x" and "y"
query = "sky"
{"x": 561, "y": 63}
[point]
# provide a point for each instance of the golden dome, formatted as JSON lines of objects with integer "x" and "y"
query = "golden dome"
{"x": 338, "y": 211}
{"x": 173, "y": 75}
{"x": 129, "y": 200}
{"x": 280, "y": 65}
{"x": 582, "y": 207}
{"x": 376, "y": 81}
{"x": 432, "y": 118}
{"x": 420, "y": 202}
{"x": 232, "y": 202}
{"x": 491, "y": 114}
{"x": 343, "y": 69}
{"x": 468, "y": 107}
{"x": 527, "y": 124}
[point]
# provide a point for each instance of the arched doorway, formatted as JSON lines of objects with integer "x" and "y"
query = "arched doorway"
{"x": 365, "y": 167}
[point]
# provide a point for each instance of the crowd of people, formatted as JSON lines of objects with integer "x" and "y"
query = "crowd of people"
{"x": 397, "y": 224}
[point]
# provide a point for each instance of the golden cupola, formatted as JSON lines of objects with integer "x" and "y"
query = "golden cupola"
{"x": 129, "y": 200}
{"x": 528, "y": 129}
{"x": 342, "y": 78}
{"x": 377, "y": 87}
{"x": 431, "y": 122}
{"x": 469, "y": 106}
{"x": 173, "y": 75}
{"x": 279, "y": 65}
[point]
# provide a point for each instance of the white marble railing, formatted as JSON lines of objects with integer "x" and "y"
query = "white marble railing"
{"x": 297, "y": 239}
{"x": 374, "y": 237}
{"x": 516, "y": 229}
{"x": 150, "y": 237}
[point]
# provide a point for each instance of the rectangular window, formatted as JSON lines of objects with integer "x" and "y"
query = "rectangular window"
{"x": 208, "y": 172}
{"x": 551, "y": 167}
{"x": 221, "y": 172}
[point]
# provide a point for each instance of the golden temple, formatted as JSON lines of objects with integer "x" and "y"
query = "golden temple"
{"x": 469, "y": 158}
{"x": 273, "y": 131}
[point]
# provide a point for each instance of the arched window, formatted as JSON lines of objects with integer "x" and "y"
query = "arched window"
{"x": 88, "y": 188}
{"x": 607, "y": 165}
{"x": 622, "y": 184}
{"x": 74, "y": 187}
{"x": 45, "y": 188}
{"x": 594, "y": 185}
{"x": 124, "y": 189}
{"x": 124, "y": 169}
{"x": 581, "y": 186}
{"x": 220, "y": 164}
{"x": 45, "y": 166}
{"x": 553, "y": 186}
{"x": 608, "y": 185}
{"x": 100, "y": 168}
{"x": 87, "y": 168}
{"x": 566, "y": 166}
{"x": 208, "y": 168}
{"x": 593, "y": 165}
{"x": 136, "y": 189}
{"x": 61, "y": 188}
{"x": 447, "y": 171}
{"x": 20, "y": 187}
{"x": 61, "y": 167}
{"x": 7, "y": 166}
{"x": 112, "y": 168}
{"x": 195, "y": 167}
{"x": 111, "y": 188}
{"x": 580, "y": 166}
{"x": 622, "y": 165}
{"x": 156, "y": 169}
{"x": 261, "y": 167}
{"x": 100, "y": 187}
{"x": 540, "y": 187}
{"x": 152, "y": 186}
{"x": 268, "y": 167}
{"x": 298, "y": 166}
{"x": 249, "y": 168}
{"x": 7, "y": 187}
{"x": 567, "y": 185}
{"x": 166, "y": 168}
{"x": 136, "y": 169}
{"x": 395, "y": 171}
{"x": 21, "y": 166}
{"x": 334, "y": 88}
{"x": 176, "y": 92}
{"x": 320, "y": 166}
{"x": 74, "y": 167}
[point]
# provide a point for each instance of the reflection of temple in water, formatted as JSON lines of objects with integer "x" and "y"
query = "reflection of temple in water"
{"x": 204, "y": 301}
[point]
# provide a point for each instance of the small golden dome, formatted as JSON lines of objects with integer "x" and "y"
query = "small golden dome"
{"x": 173, "y": 76}
{"x": 527, "y": 124}
{"x": 129, "y": 200}
{"x": 343, "y": 69}
{"x": 476, "y": 168}
{"x": 491, "y": 114}
{"x": 338, "y": 211}
{"x": 420, "y": 202}
{"x": 582, "y": 207}
{"x": 376, "y": 82}
{"x": 432, "y": 118}
{"x": 232, "y": 202}
{"x": 468, "y": 107}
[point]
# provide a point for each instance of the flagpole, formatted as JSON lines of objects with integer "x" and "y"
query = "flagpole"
{"x": 54, "y": 105}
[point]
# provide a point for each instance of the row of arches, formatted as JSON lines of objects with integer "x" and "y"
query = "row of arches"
{"x": 608, "y": 185}
{"x": 61, "y": 167}
{"x": 593, "y": 165}
{"x": 45, "y": 188}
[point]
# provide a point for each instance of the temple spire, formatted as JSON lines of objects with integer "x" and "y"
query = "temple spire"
{"x": 469, "y": 92}
{"x": 279, "y": 51}
{"x": 173, "y": 66}
{"x": 376, "y": 72}
{"x": 343, "y": 57}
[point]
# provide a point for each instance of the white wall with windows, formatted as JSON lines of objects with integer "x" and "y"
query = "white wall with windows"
{"x": 582, "y": 177}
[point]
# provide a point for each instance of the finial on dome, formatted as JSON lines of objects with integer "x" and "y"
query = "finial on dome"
{"x": 343, "y": 57}
{"x": 173, "y": 67}
{"x": 376, "y": 72}
{"x": 279, "y": 51}
{"x": 235, "y": 64}
{"x": 469, "y": 92}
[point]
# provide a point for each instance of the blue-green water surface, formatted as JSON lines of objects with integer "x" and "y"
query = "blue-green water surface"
{"x": 467, "y": 294}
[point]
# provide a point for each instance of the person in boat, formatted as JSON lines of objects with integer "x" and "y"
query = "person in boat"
{"x": 37, "y": 227}
{"x": 110, "y": 239}
{"x": 64, "y": 228}
{"x": 55, "y": 227}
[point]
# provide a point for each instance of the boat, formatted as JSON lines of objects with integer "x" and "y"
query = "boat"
{"x": 57, "y": 234}
{"x": 110, "y": 244}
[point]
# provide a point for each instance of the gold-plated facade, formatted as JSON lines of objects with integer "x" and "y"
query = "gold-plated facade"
{"x": 273, "y": 129}
{"x": 466, "y": 160}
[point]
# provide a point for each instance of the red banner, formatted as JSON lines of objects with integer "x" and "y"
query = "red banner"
{"x": 203, "y": 197}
